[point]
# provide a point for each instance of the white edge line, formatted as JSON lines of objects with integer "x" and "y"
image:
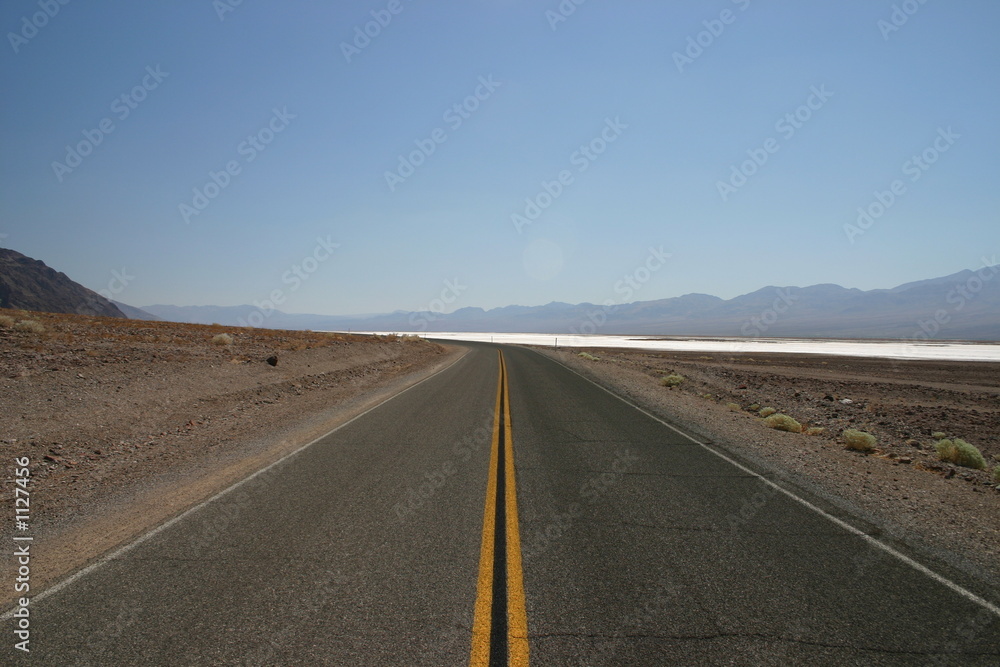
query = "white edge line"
{"x": 121, "y": 551}
{"x": 941, "y": 579}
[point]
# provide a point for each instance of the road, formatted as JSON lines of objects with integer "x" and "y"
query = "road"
{"x": 516, "y": 511}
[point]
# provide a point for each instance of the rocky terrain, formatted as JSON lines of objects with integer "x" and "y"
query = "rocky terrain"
{"x": 127, "y": 422}
{"x": 29, "y": 284}
{"x": 948, "y": 513}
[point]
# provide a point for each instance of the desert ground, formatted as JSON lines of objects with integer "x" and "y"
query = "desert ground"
{"x": 946, "y": 512}
{"x": 128, "y": 422}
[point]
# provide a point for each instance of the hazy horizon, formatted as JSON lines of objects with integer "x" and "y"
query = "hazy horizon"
{"x": 373, "y": 157}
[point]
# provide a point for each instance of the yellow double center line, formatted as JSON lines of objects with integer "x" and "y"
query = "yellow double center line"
{"x": 500, "y": 628}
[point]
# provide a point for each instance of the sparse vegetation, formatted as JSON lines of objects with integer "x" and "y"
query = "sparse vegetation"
{"x": 814, "y": 430}
{"x": 859, "y": 441}
{"x": 588, "y": 357}
{"x": 783, "y": 423}
{"x": 30, "y": 326}
{"x": 6, "y": 321}
{"x": 766, "y": 412}
{"x": 961, "y": 453}
{"x": 735, "y": 407}
{"x": 754, "y": 407}
{"x": 222, "y": 339}
{"x": 996, "y": 474}
{"x": 938, "y": 435}
{"x": 672, "y": 380}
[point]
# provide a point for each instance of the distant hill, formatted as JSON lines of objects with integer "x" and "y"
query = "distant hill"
{"x": 962, "y": 306}
{"x": 28, "y": 284}
{"x": 134, "y": 313}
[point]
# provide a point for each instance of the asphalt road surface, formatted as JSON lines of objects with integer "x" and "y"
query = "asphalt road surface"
{"x": 509, "y": 511}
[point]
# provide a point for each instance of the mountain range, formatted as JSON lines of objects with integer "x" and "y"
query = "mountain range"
{"x": 961, "y": 306}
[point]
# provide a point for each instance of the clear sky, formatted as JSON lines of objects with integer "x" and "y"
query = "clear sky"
{"x": 355, "y": 184}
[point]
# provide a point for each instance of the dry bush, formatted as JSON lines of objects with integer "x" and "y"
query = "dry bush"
{"x": 961, "y": 453}
{"x": 222, "y": 339}
{"x": 783, "y": 423}
{"x": 30, "y": 326}
{"x": 766, "y": 412}
{"x": 6, "y": 321}
{"x": 672, "y": 380}
{"x": 858, "y": 440}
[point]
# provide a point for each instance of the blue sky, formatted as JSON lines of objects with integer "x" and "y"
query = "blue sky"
{"x": 641, "y": 137}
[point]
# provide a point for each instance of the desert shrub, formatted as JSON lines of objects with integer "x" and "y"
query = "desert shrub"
{"x": 859, "y": 440}
{"x": 815, "y": 430}
{"x": 30, "y": 326}
{"x": 961, "y": 453}
{"x": 412, "y": 338}
{"x": 754, "y": 407}
{"x": 767, "y": 412}
{"x": 588, "y": 357}
{"x": 735, "y": 407}
{"x": 222, "y": 339}
{"x": 996, "y": 474}
{"x": 938, "y": 435}
{"x": 6, "y": 321}
{"x": 783, "y": 423}
{"x": 672, "y": 380}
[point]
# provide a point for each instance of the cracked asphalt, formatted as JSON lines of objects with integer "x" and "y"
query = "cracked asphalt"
{"x": 640, "y": 547}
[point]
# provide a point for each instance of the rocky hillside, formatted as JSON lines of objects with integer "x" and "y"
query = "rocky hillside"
{"x": 28, "y": 284}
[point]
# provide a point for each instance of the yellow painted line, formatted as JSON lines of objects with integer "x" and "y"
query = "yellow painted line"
{"x": 517, "y": 613}
{"x": 484, "y": 591}
{"x": 517, "y": 617}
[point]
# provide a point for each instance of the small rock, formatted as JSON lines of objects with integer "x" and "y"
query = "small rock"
{"x": 905, "y": 459}
{"x": 846, "y": 401}
{"x": 273, "y": 360}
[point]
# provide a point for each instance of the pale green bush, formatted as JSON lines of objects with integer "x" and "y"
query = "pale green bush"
{"x": 961, "y": 453}
{"x": 859, "y": 440}
{"x": 30, "y": 326}
{"x": 783, "y": 423}
{"x": 672, "y": 380}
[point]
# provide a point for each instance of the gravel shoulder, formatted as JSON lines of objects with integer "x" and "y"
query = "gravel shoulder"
{"x": 128, "y": 423}
{"x": 902, "y": 493}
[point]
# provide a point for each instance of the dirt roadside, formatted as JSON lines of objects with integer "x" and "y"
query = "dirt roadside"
{"x": 128, "y": 423}
{"x": 944, "y": 511}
